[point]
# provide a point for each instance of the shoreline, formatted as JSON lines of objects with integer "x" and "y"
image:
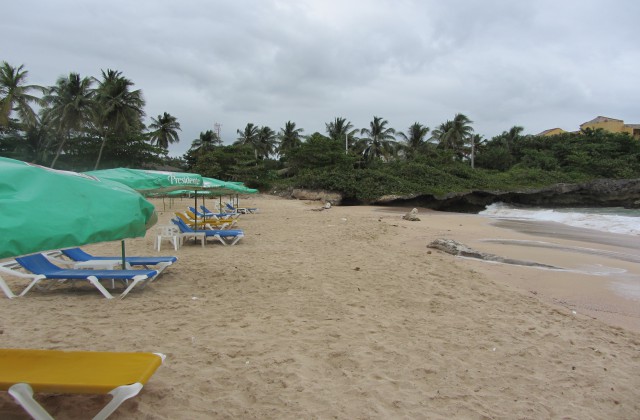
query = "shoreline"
{"x": 599, "y": 276}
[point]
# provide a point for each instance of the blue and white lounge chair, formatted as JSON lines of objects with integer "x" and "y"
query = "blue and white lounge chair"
{"x": 242, "y": 210}
{"x": 156, "y": 263}
{"x": 46, "y": 270}
{"x": 208, "y": 213}
{"x": 226, "y": 237}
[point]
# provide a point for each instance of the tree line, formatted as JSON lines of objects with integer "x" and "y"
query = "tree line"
{"x": 102, "y": 117}
{"x": 86, "y": 122}
{"x": 81, "y": 120}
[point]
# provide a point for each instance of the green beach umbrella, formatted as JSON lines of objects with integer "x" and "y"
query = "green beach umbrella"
{"x": 43, "y": 209}
{"x": 218, "y": 187}
{"x": 188, "y": 192}
{"x": 148, "y": 181}
{"x": 239, "y": 188}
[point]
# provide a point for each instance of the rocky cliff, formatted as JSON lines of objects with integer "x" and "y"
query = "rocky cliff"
{"x": 598, "y": 193}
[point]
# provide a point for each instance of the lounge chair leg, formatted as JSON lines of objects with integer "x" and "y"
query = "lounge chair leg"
{"x": 120, "y": 395}
{"x": 5, "y": 288}
{"x": 23, "y": 394}
{"x": 136, "y": 280}
{"x": 94, "y": 280}
{"x": 235, "y": 241}
{"x": 35, "y": 281}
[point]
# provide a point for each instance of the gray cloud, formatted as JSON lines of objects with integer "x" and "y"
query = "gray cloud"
{"x": 538, "y": 64}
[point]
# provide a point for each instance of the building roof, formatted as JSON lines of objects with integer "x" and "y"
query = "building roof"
{"x": 601, "y": 119}
{"x": 545, "y": 132}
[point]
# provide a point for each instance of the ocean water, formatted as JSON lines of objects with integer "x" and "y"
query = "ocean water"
{"x": 625, "y": 223}
{"x": 608, "y": 219}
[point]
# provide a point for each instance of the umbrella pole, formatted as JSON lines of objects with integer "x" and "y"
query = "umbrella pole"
{"x": 195, "y": 226}
{"x": 122, "y": 249}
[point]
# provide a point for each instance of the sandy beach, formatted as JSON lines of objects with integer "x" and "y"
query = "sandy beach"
{"x": 345, "y": 313}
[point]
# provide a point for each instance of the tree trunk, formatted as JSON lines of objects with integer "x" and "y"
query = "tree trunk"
{"x": 104, "y": 141}
{"x": 473, "y": 153}
{"x": 55, "y": 158}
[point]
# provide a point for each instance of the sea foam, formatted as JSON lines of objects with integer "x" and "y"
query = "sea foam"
{"x": 615, "y": 220}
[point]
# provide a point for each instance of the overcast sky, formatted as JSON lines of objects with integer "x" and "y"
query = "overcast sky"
{"x": 539, "y": 64}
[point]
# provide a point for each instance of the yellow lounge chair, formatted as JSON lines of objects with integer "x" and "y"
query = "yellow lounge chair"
{"x": 215, "y": 219}
{"x": 188, "y": 218}
{"x": 23, "y": 371}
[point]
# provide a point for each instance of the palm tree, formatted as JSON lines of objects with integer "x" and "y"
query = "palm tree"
{"x": 267, "y": 140}
{"x": 476, "y": 140}
{"x": 290, "y": 138}
{"x": 460, "y": 132}
{"x": 454, "y": 134}
{"x": 414, "y": 139}
{"x": 206, "y": 142}
{"x": 380, "y": 140}
{"x": 118, "y": 108}
{"x": 29, "y": 145}
{"x": 165, "y": 130}
{"x": 342, "y": 130}
{"x": 512, "y": 136}
{"x": 440, "y": 133}
{"x": 15, "y": 96}
{"x": 249, "y": 136}
{"x": 70, "y": 106}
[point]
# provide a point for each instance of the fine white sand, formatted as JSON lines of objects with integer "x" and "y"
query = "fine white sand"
{"x": 345, "y": 313}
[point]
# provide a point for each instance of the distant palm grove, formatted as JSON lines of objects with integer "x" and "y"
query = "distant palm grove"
{"x": 82, "y": 123}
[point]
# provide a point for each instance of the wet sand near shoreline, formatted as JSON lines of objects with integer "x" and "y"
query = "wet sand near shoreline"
{"x": 602, "y": 277}
{"x": 599, "y": 275}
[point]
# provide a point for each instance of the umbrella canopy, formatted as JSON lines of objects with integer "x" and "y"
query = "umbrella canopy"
{"x": 187, "y": 192}
{"x": 43, "y": 209}
{"x": 219, "y": 187}
{"x": 148, "y": 181}
{"x": 229, "y": 187}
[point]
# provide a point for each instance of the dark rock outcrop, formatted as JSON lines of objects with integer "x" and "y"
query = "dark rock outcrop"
{"x": 598, "y": 193}
{"x": 456, "y": 248}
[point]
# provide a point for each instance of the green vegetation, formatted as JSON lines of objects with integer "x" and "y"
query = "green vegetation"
{"x": 86, "y": 122}
{"x": 82, "y": 122}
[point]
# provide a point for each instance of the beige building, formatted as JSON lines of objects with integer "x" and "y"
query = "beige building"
{"x": 551, "y": 132}
{"x": 612, "y": 125}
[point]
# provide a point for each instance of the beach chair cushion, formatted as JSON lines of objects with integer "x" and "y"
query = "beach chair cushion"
{"x": 78, "y": 254}
{"x": 39, "y": 264}
{"x": 212, "y": 222}
{"x": 232, "y": 235}
{"x": 121, "y": 374}
{"x": 208, "y": 213}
